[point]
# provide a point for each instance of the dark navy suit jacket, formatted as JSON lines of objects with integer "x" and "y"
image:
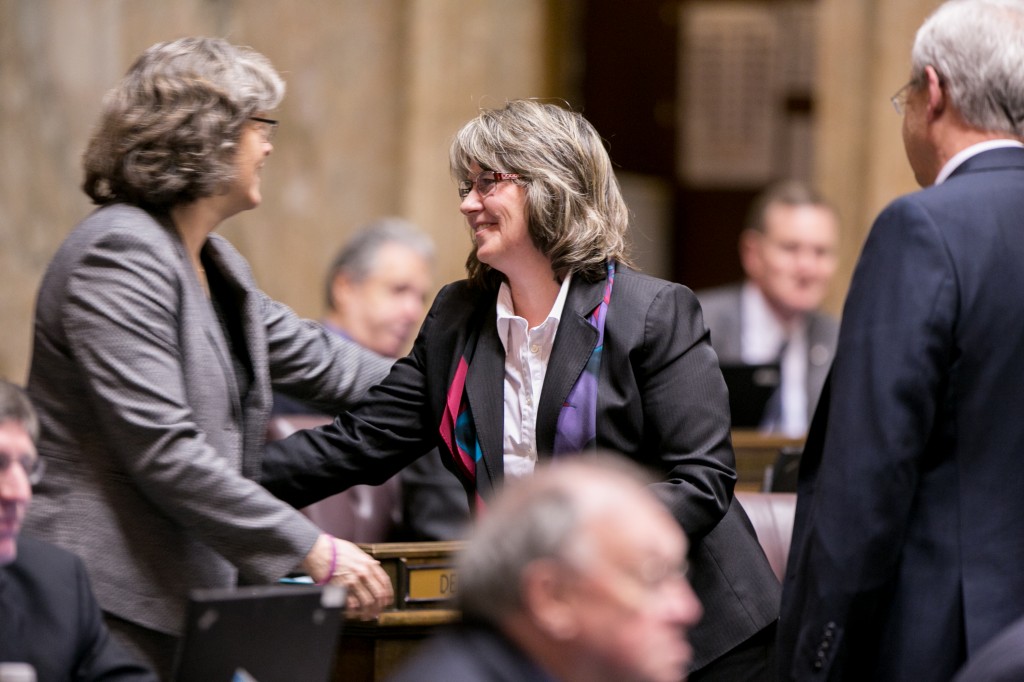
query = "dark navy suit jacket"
{"x": 661, "y": 402}
{"x": 909, "y": 534}
{"x": 50, "y": 619}
{"x": 1001, "y": 660}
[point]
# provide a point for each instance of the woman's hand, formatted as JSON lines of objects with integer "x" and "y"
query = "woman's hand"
{"x": 339, "y": 562}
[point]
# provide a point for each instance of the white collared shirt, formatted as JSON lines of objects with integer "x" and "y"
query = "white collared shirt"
{"x": 527, "y": 352}
{"x": 762, "y": 337}
{"x": 973, "y": 150}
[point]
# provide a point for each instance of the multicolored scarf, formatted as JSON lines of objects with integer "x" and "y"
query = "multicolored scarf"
{"x": 575, "y": 431}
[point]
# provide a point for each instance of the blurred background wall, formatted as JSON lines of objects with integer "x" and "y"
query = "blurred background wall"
{"x": 702, "y": 103}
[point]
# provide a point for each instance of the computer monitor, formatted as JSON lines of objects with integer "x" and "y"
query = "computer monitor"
{"x": 750, "y": 389}
{"x": 272, "y": 633}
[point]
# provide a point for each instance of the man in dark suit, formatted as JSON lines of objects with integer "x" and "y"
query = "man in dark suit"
{"x": 48, "y": 615}
{"x": 788, "y": 252}
{"x": 576, "y": 574}
{"x": 907, "y": 544}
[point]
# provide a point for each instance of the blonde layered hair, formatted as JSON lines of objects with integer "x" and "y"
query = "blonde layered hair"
{"x": 169, "y": 131}
{"x": 576, "y": 213}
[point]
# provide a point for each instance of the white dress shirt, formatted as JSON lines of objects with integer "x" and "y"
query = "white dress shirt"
{"x": 764, "y": 335}
{"x": 527, "y": 352}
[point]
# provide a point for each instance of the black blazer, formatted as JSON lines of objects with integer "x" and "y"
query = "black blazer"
{"x": 661, "y": 401}
{"x": 907, "y": 543}
{"x": 50, "y": 619}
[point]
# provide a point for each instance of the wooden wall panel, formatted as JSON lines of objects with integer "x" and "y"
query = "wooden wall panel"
{"x": 375, "y": 92}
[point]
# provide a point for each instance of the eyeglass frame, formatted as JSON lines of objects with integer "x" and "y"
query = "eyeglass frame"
{"x": 271, "y": 126}
{"x": 34, "y": 467}
{"x": 899, "y": 99}
{"x": 466, "y": 186}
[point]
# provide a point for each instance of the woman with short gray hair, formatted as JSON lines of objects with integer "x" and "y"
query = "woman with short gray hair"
{"x": 154, "y": 354}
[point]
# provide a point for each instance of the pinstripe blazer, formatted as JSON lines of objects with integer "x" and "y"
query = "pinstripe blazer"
{"x": 150, "y": 450}
{"x": 661, "y": 402}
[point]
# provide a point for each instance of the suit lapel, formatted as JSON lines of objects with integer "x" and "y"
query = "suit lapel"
{"x": 485, "y": 391}
{"x": 211, "y": 327}
{"x": 257, "y": 402}
{"x": 574, "y": 343}
{"x": 730, "y": 343}
{"x": 819, "y": 359}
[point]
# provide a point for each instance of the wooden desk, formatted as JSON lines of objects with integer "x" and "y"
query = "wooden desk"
{"x": 424, "y": 581}
{"x": 423, "y": 578}
{"x": 756, "y": 451}
{"x": 370, "y": 651}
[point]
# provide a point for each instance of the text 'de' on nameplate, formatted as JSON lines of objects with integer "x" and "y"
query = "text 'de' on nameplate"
{"x": 431, "y": 583}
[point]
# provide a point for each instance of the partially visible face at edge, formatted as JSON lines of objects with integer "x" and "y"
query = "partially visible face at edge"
{"x": 15, "y": 489}
{"x": 382, "y": 311}
{"x": 635, "y": 605}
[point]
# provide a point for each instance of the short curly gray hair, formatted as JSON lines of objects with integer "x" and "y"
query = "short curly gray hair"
{"x": 169, "y": 130}
{"x": 577, "y": 216}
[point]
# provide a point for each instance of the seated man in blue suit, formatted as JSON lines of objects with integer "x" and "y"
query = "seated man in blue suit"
{"x": 49, "y": 618}
{"x": 907, "y": 543}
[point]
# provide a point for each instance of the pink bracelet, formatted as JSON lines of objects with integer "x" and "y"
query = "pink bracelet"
{"x": 334, "y": 564}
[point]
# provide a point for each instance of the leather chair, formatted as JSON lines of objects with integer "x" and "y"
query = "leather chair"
{"x": 363, "y": 513}
{"x": 772, "y": 517}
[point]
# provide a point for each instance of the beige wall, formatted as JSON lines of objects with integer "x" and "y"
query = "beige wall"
{"x": 864, "y": 50}
{"x": 375, "y": 91}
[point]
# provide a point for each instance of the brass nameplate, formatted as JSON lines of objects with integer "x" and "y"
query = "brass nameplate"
{"x": 431, "y": 584}
{"x": 422, "y": 573}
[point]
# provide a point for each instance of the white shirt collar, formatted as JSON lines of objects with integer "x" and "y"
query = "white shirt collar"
{"x": 506, "y": 313}
{"x": 973, "y": 150}
{"x": 763, "y": 333}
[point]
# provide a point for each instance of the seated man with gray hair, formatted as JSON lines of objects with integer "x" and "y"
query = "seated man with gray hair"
{"x": 376, "y": 292}
{"x": 575, "y": 574}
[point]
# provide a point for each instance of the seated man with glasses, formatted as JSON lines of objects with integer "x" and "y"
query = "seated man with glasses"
{"x": 49, "y": 618}
{"x": 577, "y": 573}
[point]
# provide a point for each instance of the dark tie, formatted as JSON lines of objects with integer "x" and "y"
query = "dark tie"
{"x": 772, "y": 418}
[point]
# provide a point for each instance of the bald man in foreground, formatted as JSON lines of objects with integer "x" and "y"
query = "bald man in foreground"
{"x": 575, "y": 574}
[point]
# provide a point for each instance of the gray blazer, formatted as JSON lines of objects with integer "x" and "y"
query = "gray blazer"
{"x": 150, "y": 450}
{"x": 722, "y": 314}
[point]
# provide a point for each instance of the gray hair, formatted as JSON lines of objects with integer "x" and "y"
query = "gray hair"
{"x": 791, "y": 193}
{"x": 16, "y": 407}
{"x": 169, "y": 131}
{"x": 533, "y": 519}
{"x": 576, "y": 213}
{"x": 356, "y": 259}
{"x": 977, "y": 49}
